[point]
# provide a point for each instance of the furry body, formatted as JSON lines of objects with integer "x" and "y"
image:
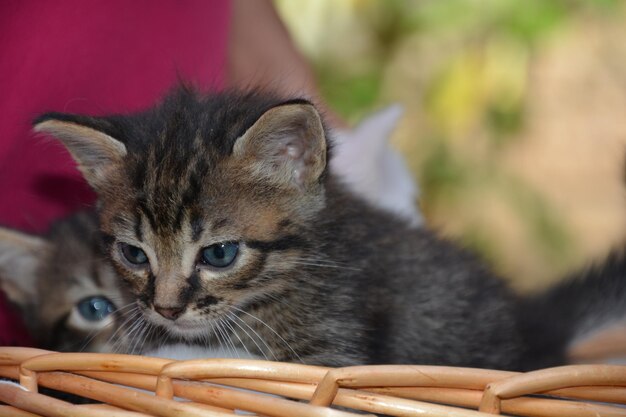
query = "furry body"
{"x": 320, "y": 275}
{"x": 68, "y": 262}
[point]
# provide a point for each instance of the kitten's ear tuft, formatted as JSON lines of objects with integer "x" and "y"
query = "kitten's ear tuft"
{"x": 87, "y": 140}
{"x": 20, "y": 255}
{"x": 286, "y": 145}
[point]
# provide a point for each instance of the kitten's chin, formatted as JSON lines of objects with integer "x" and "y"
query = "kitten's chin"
{"x": 188, "y": 332}
{"x": 182, "y": 328}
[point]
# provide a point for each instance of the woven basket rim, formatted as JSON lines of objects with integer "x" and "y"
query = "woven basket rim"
{"x": 217, "y": 387}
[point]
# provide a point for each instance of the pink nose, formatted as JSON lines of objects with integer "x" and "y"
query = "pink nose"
{"x": 170, "y": 313}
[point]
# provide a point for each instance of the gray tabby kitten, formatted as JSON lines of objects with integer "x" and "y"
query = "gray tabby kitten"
{"x": 69, "y": 260}
{"x": 220, "y": 214}
{"x": 66, "y": 291}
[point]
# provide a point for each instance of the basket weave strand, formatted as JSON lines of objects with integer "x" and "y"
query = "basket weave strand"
{"x": 213, "y": 387}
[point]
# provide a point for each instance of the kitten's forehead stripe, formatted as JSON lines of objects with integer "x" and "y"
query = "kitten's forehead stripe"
{"x": 174, "y": 196}
{"x": 197, "y": 228}
{"x": 218, "y": 224}
{"x": 143, "y": 206}
{"x": 178, "y": 220}
{"x": 138, "y": 226}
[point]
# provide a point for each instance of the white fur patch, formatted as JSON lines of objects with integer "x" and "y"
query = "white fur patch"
{"x": 368, "y": 164}
{"x": 186, "y": 352}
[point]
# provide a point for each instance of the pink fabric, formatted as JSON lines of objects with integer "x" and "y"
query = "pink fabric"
{"x": 94, "y": 57}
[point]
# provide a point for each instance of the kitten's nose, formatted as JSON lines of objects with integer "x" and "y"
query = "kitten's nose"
{"x": 170, "y": 313}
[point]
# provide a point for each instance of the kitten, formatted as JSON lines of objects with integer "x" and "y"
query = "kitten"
{"x": 221, "y": 215}
{"x": 70, "y": 259}
{"x": 66, "y": 272}
{"x": 62, "y": 285}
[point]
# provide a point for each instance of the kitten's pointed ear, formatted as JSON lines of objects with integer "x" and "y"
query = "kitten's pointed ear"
{"x": 286, "y": 145}
{"x": 86, "y": 138}
{"x": 20, "y": 255}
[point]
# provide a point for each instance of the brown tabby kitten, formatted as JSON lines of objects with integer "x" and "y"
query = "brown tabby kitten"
{"x": 70, "y": 260}
{"x": 65, "y": 289}
{"x": 220, "y": 214}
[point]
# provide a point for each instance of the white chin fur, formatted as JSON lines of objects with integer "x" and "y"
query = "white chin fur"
{"x": 194, "y": 332}
{"x": 185, "y": 352}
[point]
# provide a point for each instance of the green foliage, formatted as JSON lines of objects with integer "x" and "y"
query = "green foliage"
{"x": 545, "y": 227}
{"x": 531, "y": 19}
{"x": 503, "y": 122}
{"x": 462, "y": 68}
{"x": 442, "y": 175}
{"x": 448, "y": 178}
{"x": 350, "y": 96}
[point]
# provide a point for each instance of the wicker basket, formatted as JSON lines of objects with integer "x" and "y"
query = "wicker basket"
{"x": 217, "y": 387}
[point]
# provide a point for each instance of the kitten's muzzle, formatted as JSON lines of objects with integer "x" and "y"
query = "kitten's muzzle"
{"x": 170, "y": 313}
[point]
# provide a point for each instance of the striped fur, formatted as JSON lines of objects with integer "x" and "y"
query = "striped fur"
{"x": 57, "y": 271}
{"x": 321, "y": 276}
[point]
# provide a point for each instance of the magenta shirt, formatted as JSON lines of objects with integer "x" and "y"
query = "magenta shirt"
{"x": 94, "y": 57}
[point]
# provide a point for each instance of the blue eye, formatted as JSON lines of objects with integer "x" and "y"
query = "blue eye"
{"x": 95, "y": 308}
{"x": 221, "y": 254}
{"x": 133, "y": 254}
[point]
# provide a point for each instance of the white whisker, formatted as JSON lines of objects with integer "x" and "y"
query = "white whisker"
{"x": 269, "y": 349}
{"x": 219, "y": 335}
{"x": 132, "y": 315}
{"x": 229, "y": 341}
{"x": 129, "y": 334}
{"x": 323, "y": 265}
{"x": 270, "y": 329}
{"x": 232, "y": 330}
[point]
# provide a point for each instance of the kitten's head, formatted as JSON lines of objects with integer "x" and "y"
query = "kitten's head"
{"x": 202, "y": 200}
{"x": 60, "y": 283}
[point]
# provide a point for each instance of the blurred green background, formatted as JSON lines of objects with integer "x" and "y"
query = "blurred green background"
{"x": 514, "y": 115}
